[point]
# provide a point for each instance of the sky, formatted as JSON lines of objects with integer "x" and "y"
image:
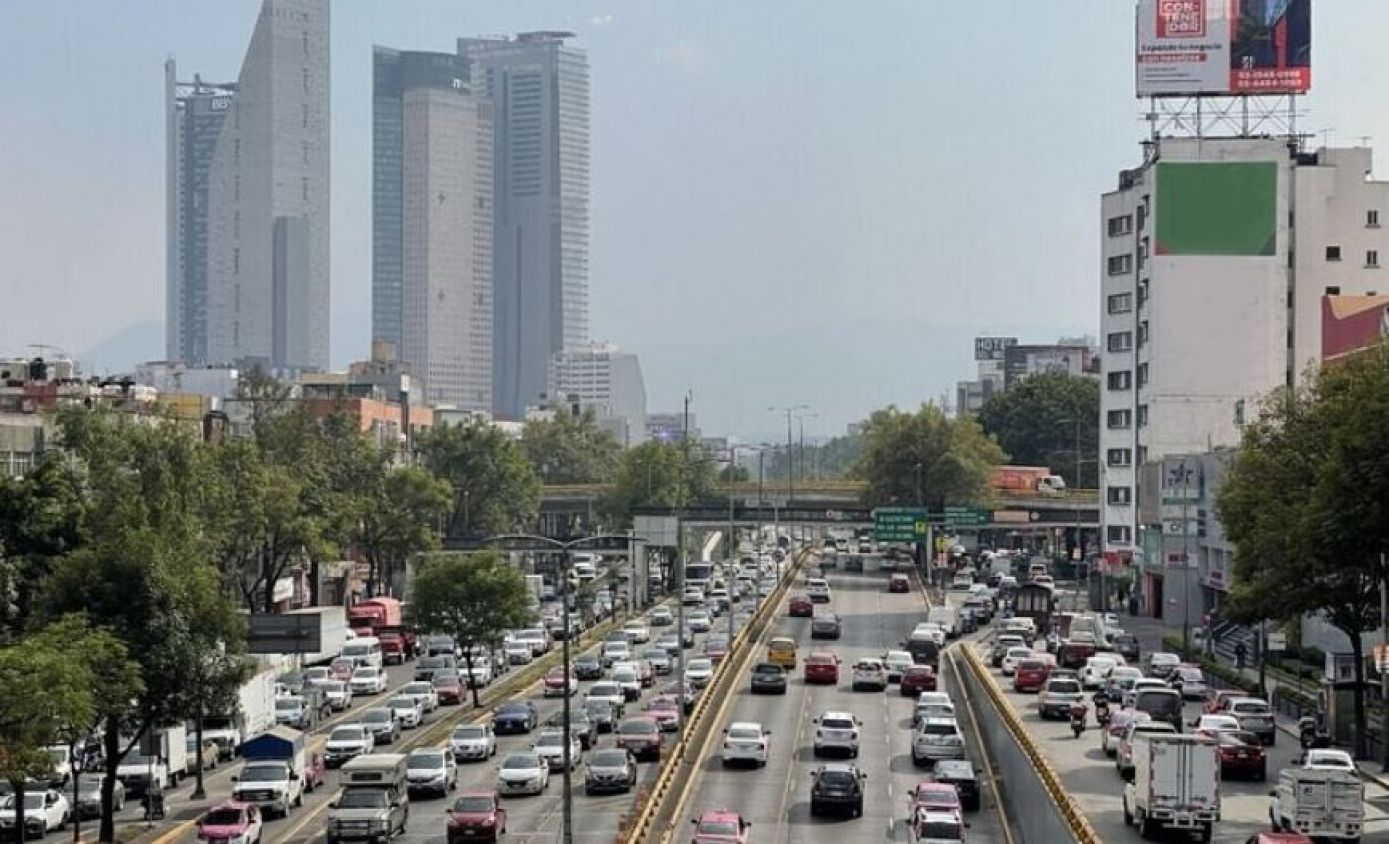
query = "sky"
{"x": 813, "y": 203}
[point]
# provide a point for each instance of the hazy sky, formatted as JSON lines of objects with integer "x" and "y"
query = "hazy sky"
{"x": 793, "y": 202}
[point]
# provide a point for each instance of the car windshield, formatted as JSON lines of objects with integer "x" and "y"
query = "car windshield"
{"x": 745, "y": 733}
{"x": 472, "y": 805}
{"x": 425, "y": 759}
{"x": 700, "y": 665}
{"x": 513, "y": 709}
{"x": 608, "y": 759}
{"x": 1065, "y": 687}
{"x": 289, "y": 703}
{"x": 520, "y": 763}
{"x": 1250, "y": 708}
{"x": 363, "y": 798}
{"x": 467, "y": 733}
{"x": 944, "y": 830}
{"x": 377, "y": 716}
{"x": 837, "y": 723}
{"x": 768, "y": 668}
{"x": 604, "y": 690}
{"x": 1159, "y": 703}
{"x": 333, "y": 686}
{"x": 1019, "y": 653}
{"x": 262, "y": 773}
{"x": 718, "y": 828}
{"x": 346, "y": 734}
{"x": 401, "y": 703}
{"x": 837, "y": 779}
{"x": 223, "y": 817}
{"x": 637, "y": 727}
{"x": 939, "y": 729}
{"x": 420, "y": 688}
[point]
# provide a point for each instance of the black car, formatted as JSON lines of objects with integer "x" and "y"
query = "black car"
{"x": 610, "y": 770}
{"x": 588, "y": 667}
{"x": 837, "y": 788}
{"x": 959, "y": 773}
{"x": 1126, "y": 646}
{"x": 768, "y": 677}
{"x": 517, "y": 716}
{"x": 580, "y": 724}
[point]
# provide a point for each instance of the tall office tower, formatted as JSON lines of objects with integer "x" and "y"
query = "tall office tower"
{"x": 193, "y": 116}
{"x": 393, "y": 73}
{"x": 267, "y": 220}
{"x": 446, "y": 246}
{"x": 539, "y": 86}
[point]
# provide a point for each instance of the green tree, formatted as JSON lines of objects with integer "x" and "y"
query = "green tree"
{"x": 495, "y": 488}
{"x": 399, "y": 520}
{"x": 925, "y": 458}
{"x": 569, "y": 449}
{"x": 475, "y": 598}
{"x": 40, "y": 520}
{"x": 834, "y": 458}
{"x": 1043, "y": 419}
{"x": 662, "y": 475}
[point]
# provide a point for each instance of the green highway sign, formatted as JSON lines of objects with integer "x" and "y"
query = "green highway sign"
{"x": 898, "y": 524}
{"x": 967, "y": 517}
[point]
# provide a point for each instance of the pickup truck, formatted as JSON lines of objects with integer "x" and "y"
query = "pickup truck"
{"x": 278, "y": 772}
{"x": 1320, "y": 803}
{"x": 1174, "y": 783}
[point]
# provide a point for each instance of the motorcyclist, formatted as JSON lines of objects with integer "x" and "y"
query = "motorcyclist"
{"x": 1101, "y": 700}
{"x": 1078, "y": 711}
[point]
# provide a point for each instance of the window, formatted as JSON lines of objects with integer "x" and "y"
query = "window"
{"x": 1117, "y": 420}
{"x": 1118, "y": 494}
{"x": 1120, "y": 380}
{"x": 1120, "y": 264}
{"x": 1333, "y": 253}
{"x": 1121, "y": 303}
{"x": 1119, "y": 457}
{"x": 1142, "y": 374}
{"x": 1372, "y": 218}
{"x": 1120, "y": 341}
{"x": 1143, "y": 253}
{"x": 1142, "y": 292}
{"x": 1143, "y": 333}
{"x": 1372, "y": 258}
{"x": 1117, "y": 533}
{"x": 1120, "y": 225}
{"x": 1142, "y": 415}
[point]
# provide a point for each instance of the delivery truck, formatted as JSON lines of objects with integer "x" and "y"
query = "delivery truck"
{"x": 254, "y": 714}
{"x": 1174, "y": 784}
{"x": 161, "y": 757}
{"x": 279, "y": 771}
{"x": 1321, "y": 803}
{"x": 332, "y": 632}
{"x": 373, "y": 614}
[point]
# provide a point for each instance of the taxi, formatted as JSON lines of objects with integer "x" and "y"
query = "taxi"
{"x": 782, "y": 651}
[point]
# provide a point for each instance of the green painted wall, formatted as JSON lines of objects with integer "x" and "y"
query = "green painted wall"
{"x": 1217, "y": 209}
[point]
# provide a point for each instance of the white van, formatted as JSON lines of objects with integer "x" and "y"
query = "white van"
{"x": 364, "y": 650}
{"x": 947, "y": 617}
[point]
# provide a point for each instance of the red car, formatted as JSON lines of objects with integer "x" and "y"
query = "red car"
{"x": 555, "y": 682}
{"x": 899, "y": 583}
{"x": 666, "y": 710}
{"x": 1031, "y": 675}
{"x": 934, "y": 796}
{"x": 341, "y": 669}
{"x": 822, "y": 668}
{"x": 448, "y": 688}
{"x": 720, "y": 826}
{"x": 801, "y": 607}
{"x": 917, "y": 679}
{"x": 640, "y": 735}
{"x": 476, "y": 816}
{"x": 1242, "y": 755}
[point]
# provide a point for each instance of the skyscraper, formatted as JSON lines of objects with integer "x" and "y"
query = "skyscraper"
{"x": 446, "y": 246}
{"x": 267, "y": 203}
{"x": 540, "y": 89}
{"x": 193, "y": 117}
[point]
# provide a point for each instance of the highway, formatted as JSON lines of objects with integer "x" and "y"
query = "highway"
{"x": 777, "y": 798}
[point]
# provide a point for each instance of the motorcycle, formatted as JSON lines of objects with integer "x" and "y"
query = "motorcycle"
{"x": 1078, "y": 710}
{"x": 1102, "y": 708}
{"x": 1310, "y": 734}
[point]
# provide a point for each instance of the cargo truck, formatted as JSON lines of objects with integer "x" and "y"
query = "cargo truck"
{"x": 373, "y": 614}
{"x": 1174, "y": 784}
{"x": 161, "y": 757}
{"x": 255, "y": 713}
{"x": 279, "y": 770}
{"x": 332, "y": 632}
{"x": 1321, "y": 803}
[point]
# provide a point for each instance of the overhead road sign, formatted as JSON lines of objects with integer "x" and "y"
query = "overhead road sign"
{"x": 960, "y": 517}
{"x": 898, "y": 524}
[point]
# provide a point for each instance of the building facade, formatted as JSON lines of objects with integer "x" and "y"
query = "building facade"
{"x": 267, "y": 219}
{"x": 606, "y": 380}
{"x": 446, "y": 247}
{"x": 539, "y": 86}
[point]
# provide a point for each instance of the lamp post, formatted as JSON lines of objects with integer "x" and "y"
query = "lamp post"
{"x": 790, "y": 454}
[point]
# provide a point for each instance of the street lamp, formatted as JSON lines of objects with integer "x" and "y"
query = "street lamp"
{"x": 790, "y": 455}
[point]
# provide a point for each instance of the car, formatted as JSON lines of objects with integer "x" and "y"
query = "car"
{"x": 836, "y": 732}
{"x": 961, "y": 583}
{"x": 44, "y": 811}
{"x": 603, "y": 713}
{"x": 821, "y": 667}
{"x": 448, "y": 689}
{"x": 347, "y": 741}
{"x": 661, "y": 617}
{"x": 699, "y": 621}
{"x": 666, "y": 710}
{"x": 934, "y": 796}
{"x": 825, "y": 625}
{"x": 1211, "y": 725}
{"x": 423, "y": 693}
{"x": 89, "y": 797}
{"x": 610, "y": 770}
{"x": 1003, "y": 642}
{"x": 638, "y": 633}
{"x": 641, "y": 735}
{"x": 716, "y": 648}
{"x": 960, "y": 774}
{"x": 768, "y": 678}
{"x": 899, "y": 583}
{"x": 429, "y": 770}
{"x": 232, "y": 822}
{"x": 588, "y": 667}
{"x": 440, "y": 645}
{"x": 868, "y": 673}
{"x": 610, "y": 693}
{"x": 523, "y": 773}
{"x": 1031, "y": 675}
{"x": 670, "y": 643}
{"x": 1143, "y": 684}
{"x": 1190, "y": 681}
{"x": 1113, "y": 733}
{"x": 917, "y": 679}
{"x": 426, "y": 667}
{"x": 746, "y": 742}
{"x": 1328, "y": 759}
{"x": 475, "y": 815}
{"x": 931, "y": 826}
{"x": 932, "y": 705}
{"x": 699, "y": 672}
{"x": 558, "y": 684}
{"x": 550, "y": 746}
{"x": 367, "y": 680}
{"x": 384, "y": 726}
{"x": 837, "y": 788}
{"x": 1242, "y": 754}
{"x": 1013, "y": 657}
{"x": 518, "y": 653}
{"x": 934, "y": 739}
{"x": 1123, "y": 759}
{"x": 658, "y": 658}
{"x": 515, "y": 716}
{"x": 207, "y": 757}
{"x": 1096, "y": 669}
{"x": 720, "y": 826}
{"x": 615, "y": 651}
{"x": 1126, "y": 645}
{"x": 1163, "y": 704}
{"x": 1056, "y": 697}
{"x": 896, "y": 663}
{"x": 800, "y": 606}
{"x": 1216, "y": 699}
{"x": 1254, "y": 716}
{"x": 1120, "y": 681}
{"x": 682, "y": 691}
{"x": 407, "y": 710}
{"x": 818, "y": 590}
{"x": 628, "y": 678}
{"x": 693, "y": 596}
{"x": 338, "y": 693}
{"x": 473, "y": 742}
{"x": 1160, "y": 664}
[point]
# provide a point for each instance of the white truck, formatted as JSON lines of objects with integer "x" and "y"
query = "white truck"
{"x": 1174, "y": 783}
{"x": 535, "y": 587}
{"x": 255, "y": 713}
{"x": 333, "y": 632}
{"x": 947, "y": 617}
{"x": 1321, "y": 803}
{"x": 161, "y": 757}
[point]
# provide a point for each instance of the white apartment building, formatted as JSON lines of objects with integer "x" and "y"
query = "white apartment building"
{"x": 600, "y": 377}
{"x": 1215, "y": 256}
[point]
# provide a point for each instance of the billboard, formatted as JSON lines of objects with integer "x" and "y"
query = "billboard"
{"x": 1223, "y": 208}
{"x": 1187, "y": 47}
{"x": 1352, "y": 323}
{"x": 991, "y": 348}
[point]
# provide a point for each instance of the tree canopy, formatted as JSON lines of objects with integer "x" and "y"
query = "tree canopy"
{"x": 657, "y": 474}
{"x": 925, "y": 458}
{"x": 1037, "y": 422}
{"x": 495, "y": 488}
{"x": 569, "y": 449}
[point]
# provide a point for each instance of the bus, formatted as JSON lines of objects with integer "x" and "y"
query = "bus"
{"x": 699, "y": 574}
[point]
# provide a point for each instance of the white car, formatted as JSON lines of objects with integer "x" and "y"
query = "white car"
{"x": 637, "y": 632}
{"x": 609, "y": 692}
{"x": 1335, "y": 760}
{"x": 368, "y": 680}
{"x": 896, "y": 663}
{"x": 44, "y": 811}
{"x": 869, "y": 673}
{"x": 692, "y": 597}
{"x": 550, "y": 746}
{"x": 1096, "y": 669}
{"x": 662, "y": 617}
{"x": 1216, "y": 724}
{"x": 932, "y": 629}
{"x": 518, "y": 653}
{"x": 523, "y": 773}
{"x": 346, "y": 742}
{"x": 473, "y": 743}
{"x": 745, "y": 741}
{"x": 337, "y": 693}
{"x": 699, "y": 621}
{"x": 935, "y": 739}
{"x": 615, "y": 652}
{"x": 1190, "y": 681}
{"x": 818, "y": 590}
{"x": 1012, "y": 659}
{"x": 699, "y": 671}
{"x": 537, "y": 638}
{"x": 628, "y": 678}
{"x": 431, "y": 771}
{"x": 423, "y": 693}
{"x": 837, "y": 731}
{"x": 407, "y": 711}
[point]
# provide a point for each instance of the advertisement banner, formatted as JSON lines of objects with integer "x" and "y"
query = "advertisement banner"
{"x": 1223, "y": 47}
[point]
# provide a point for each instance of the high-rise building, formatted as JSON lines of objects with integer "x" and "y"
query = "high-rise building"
{"x": 394, "y": 72}
{"x": 540, "y": 88}
{"x": 601, "y": 378}
{"x": 267, "y": 199}
{"x": 1217, "y": 254}
{"x": 446, "y": 246}
{"x": 193, "y": 116}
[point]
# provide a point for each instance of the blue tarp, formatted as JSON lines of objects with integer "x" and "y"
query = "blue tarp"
{"x": 278, "y": 743}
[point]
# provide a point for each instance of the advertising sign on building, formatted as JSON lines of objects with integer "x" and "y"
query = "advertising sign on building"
{"x": 992, "y": 348}
{"x": 1223, "y": 47}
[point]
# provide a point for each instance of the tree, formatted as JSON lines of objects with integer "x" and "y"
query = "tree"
{"x": 475, "y": 598}
{"x": 40, "y": 520}
{"x": 926, "y": 459}
{"x": 495, "y": 488}
{"x": 733, "y": 475}
{"x": 832, "y": 459}
{"x": 1043, "y": 419}
{"x": 398, "y": 521}
{"x": 569, "y": 449}
{"x": 662, "y": 475}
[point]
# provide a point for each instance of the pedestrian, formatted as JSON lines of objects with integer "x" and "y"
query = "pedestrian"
{"x": 1240, "y": 652}
{"x": 1133, "y": 604}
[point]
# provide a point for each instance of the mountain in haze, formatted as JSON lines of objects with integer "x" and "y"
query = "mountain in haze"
{"x": 122, "y": 351}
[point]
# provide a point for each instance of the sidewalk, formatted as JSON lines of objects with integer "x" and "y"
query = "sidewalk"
{"x": 1150, "y": 632}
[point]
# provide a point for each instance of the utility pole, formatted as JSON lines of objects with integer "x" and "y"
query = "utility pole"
{"x": 790, "y": 449}
{"x": 1186, "y": 560}
{"x": 1383, "y": 661}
